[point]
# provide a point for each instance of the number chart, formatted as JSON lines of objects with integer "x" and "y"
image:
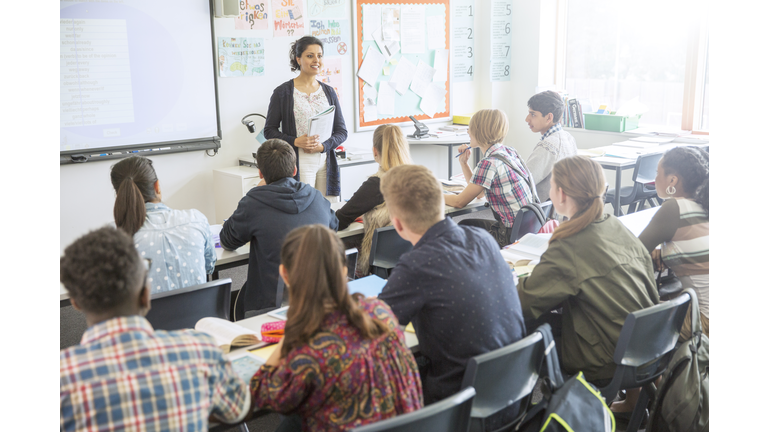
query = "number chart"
{"x": 501, "y": 39}
{"x": 463, "y": 40}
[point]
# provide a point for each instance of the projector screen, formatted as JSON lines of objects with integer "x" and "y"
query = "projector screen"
{"x": 136, "y": 74}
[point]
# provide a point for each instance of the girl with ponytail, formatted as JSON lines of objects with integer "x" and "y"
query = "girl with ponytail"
{"x": 594, "y": 268}
{"x": 178, "y": 242}
{"x": 343, "y": 361}
{"x": 390, "y": 149}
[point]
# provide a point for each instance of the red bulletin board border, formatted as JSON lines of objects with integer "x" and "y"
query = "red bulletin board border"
{"x": 359, "y": 42}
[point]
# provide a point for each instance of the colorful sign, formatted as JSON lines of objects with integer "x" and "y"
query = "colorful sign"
{"x": 253, "y": 16}
{"x": 240, "y": 57}
{"x": 288, "y": 18}
{"x": 334, "y": 34}
{"x": 328, "y": 8}
{"x": 331, "y": 73}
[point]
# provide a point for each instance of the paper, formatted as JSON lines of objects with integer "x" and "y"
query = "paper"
{"x": 334, "y": 34}
{"x": 501, "y": 40}
{"x": 386, "y": 101}
{"x": 246, "y": 365}
{"x": 328, "y": 8}
{"x": 412, "y": 29}
{"x": 265, "y": 352}
{"x": 241, "y": 57}
{"x": 387, "y": 48}
{"x": 369, "y": 286}
{"x": 371, "y": 68}
{"x": 371, "y": 20}
{"x": 390, "y": 23}
{"x": 288, "y": 18}
{"x": 422, "y": 78}
{"x": 441, "y": 65}
{"x": 331, "y": 73}
{"x": 253, "y": 16}
{"x": 435, "y": 32}
{"x": 322, "y": 124}
{"x": 409, "y": 328}
{"x": 433, "y": 100}
{"x": 403, "y": 75}
{"x": 463, "y": 41}
{"x": 370, "y": 111}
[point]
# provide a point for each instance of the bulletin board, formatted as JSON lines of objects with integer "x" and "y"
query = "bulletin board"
{"x": 407, "y": 104}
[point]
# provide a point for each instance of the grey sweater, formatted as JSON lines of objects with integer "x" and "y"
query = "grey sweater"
{"x": 551, "y": 149}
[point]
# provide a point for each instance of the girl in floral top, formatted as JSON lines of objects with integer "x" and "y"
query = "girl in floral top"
{"x": 343, "y": 361}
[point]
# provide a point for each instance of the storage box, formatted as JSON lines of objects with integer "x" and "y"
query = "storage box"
{"x": 461, "y": 119}
{"x": 610, "y": 123}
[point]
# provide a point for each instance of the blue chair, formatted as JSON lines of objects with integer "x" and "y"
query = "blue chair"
{"x": 449, "y": 415}
{"x": 182, "y": 308}
{"x": 386, "y": 248}
{"x": 643, "y": 188}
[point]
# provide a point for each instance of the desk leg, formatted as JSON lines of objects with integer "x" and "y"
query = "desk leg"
{"x": 617, "y": 209}
{"x": 450, "y": 160}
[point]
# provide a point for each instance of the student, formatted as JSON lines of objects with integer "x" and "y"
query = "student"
{"x": 594, "y": 268}
{"x": 390, "y": 149}
{"x": 545, "y": 111}
{"x": 265, "y": 215}
{"x": 343, "y": 361}
{"x": 501, "y": 175}
{"x": 179, "y": 242}
{"x": 681, "y": 226}
{"x": 125, "y": 375}
{"x": 454, "y": 286}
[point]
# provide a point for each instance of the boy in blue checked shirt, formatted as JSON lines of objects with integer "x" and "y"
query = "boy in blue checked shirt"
{"x": 124, "y": 375}
{"x": 501, "y": 175}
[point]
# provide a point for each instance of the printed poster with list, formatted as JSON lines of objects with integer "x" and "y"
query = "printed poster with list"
{"x": 501, "y": 39}
{"x": 463, "y": 39}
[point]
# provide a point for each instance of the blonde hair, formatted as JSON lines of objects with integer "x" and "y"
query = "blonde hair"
{"x": 489, "y": 126}
{"x": 413, "y": 195}
{"x": 389, "y": 141}
{"x": 581, "y": 179}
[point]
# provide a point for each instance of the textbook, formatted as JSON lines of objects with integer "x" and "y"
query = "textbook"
{"x": 322, "y": 124}
{"x": 527, "y": 250}
{"x": 227, "y": 334}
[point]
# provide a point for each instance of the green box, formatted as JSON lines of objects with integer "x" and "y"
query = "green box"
{"x": 610, "y": 123}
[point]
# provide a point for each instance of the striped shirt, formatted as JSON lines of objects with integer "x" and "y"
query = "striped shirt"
{"x": 126, "y": 376}
{"x": 505, "y": 190}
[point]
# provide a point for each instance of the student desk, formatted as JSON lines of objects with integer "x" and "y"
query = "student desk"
{"x": 445, "y": 142}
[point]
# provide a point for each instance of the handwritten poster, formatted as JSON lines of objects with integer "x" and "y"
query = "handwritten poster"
{"x": 501, "y": 39}
{"x": 288, "y": 18}
{"x": 328, "y": 8}
{"x": 253, "y": 15}
{"x": 331, "y": 73}
{"x": 334, "y": 34}
{"x": 463, "y": 39}
{"x": 240, "y": 57}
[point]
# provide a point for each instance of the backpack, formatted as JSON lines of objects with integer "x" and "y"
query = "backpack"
{"x": 570, "y": 405}
{"x": 682, "y": 399}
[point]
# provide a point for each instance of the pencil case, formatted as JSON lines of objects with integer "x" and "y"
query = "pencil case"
{"x": 272, "y": 332}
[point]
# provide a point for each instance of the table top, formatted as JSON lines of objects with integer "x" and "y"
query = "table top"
{"x": 458, "y": 139}
{"x": 628, "y": 154}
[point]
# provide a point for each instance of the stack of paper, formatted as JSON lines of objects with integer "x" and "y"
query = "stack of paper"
{"x": 322, "y": 124}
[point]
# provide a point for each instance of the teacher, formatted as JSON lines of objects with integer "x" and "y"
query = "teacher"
{"x": 293, "y": 103}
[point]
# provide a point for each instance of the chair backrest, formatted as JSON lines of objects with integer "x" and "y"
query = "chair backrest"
{"x": 527, "y": 221}
{"x": 352, "y": 255}
{"x": 645, "y": 169}
{"x": 449, "y": 415}
{"x": 386, "y": 247}
{"x": 504, "y": 376}
{"x": 182, "y": 308}
{"x": 646, "y": 338}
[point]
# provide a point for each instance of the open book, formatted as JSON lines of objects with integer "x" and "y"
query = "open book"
{"x": 527, "y": 250}
{"x": 322, "y": 124}
{"x": 227, "y": 334}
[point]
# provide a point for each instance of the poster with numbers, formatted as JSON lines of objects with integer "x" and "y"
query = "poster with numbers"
{"x": 501, "y": 40}
{"x": 463, "y": 39}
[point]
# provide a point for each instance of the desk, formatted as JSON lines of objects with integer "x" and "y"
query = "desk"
{"x": 619, "y": 163}
{"x": 446, "y": 142}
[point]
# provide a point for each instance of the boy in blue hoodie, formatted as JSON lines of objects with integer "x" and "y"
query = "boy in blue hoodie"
{"x": 265, "y": 215}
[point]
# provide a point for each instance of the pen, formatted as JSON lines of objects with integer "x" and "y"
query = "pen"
{"x": 466, "y": 150}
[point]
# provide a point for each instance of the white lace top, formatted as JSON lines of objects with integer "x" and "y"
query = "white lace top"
{"x": 305, "y": 106}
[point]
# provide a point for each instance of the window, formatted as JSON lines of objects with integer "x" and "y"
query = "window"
{"x": 611, "y": 52}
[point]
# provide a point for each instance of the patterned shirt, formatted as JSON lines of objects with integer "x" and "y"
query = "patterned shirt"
{"x": 505, "y": 190}
{"x": 304, "y": 107}
{"x": 339, "y": 381}
{"x": 557, "y": 127}
{"x": 126, "y": 376}
{"x": 180, "y": 245}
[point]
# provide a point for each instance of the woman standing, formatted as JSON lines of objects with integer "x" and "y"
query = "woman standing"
{"x": 293, "y": 103}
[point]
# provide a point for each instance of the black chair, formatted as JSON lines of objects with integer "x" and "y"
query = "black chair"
{"x": 182, "y": 308}
{"x": 528, "y": 221}
{"x": 352, "y": 255}
{"x": 502, "y": 378}
{"x": 645, "y": 347}
{"x": 643, "y": 189}
{"x": 279, "y": 298}
{"x": 386, "y": 248}
{"x": 449, "y": 415}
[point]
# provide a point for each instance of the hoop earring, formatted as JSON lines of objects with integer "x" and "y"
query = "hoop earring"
{"x": 671, "y": 190}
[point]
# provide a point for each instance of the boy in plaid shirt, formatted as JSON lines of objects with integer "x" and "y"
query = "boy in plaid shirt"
{"x": 124, "y": 375}
{"x": 501, "y": 175}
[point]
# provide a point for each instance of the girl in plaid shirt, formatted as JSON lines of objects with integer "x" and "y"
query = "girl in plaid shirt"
{"x": 501, "y": 176}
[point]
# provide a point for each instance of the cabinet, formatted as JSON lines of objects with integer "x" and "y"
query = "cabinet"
{"x": 229, "y": 186}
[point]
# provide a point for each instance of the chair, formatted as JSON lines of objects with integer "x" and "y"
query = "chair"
{"x": 280, "y": 297}
{"x": 645, "y": 347}
{"x": 386, "y": 248}
{"x": 502, "y": 378}
{"x": 527, "y": 221}
{"x": 643, "y": 189}
{"x": 449, "y": 415}
{"x": 182, "y": 308}
{"x": 352, "y": 255}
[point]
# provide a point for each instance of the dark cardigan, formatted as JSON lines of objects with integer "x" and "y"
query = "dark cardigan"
{"x": 281, "y": 123}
